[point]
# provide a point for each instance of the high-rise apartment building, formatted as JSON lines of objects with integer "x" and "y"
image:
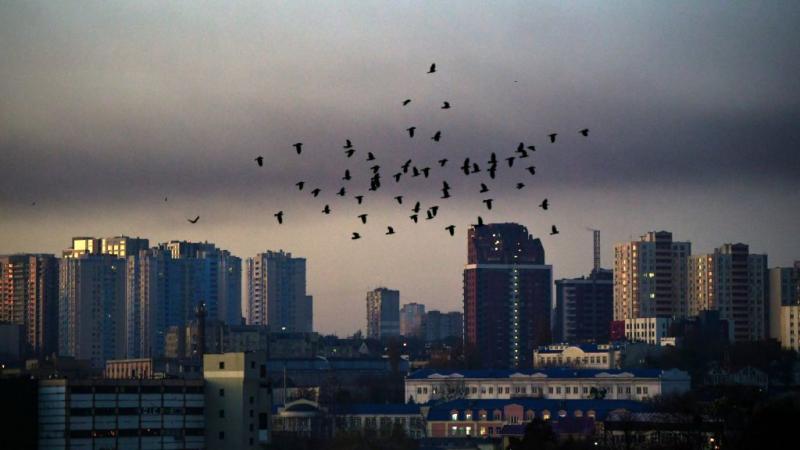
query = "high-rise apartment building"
{"x": 119, "y": 246}
{"x": 383, "y": 313}
{"x": 650, "y": 277}
{"x": 412, "y": 317}
{"x": 439, "y": 326}
{"x": 91, "y": 308}
{"x": 29, "y": 297}
{"x": 507, "y": 295}
{"x": 276, "y": 292}
{"x": 584, "y": 308}
{"x": 784, "y": 305}
{"x": 734, "y": 282}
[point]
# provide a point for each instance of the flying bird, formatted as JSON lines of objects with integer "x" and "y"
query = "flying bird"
{"x": 429, "y": 214}
{"x": 484, "y": 188}
{"x": 520, "y": 185}
{"x": 445, "y": 193}
{"x": 532, "y": 170}
{"x": 389, "y": 230}
{"x": 475, "y": 168}
{"x": 405, "y": 166}
{"x": 298, "y": 147}
{"x": 488, "y": 202}
{"x": 493, "y": 159}
{"x": 348, "y": 144}
{"x": 399, "y": 199}
{"x": 553, "y": 230}
{"x": 363, "y": 218}
{"x": 279, "y": 215}
{"x": 425, "y": 171}
{"x": 413, "y": 217}
{"x": 260, "y": 161}
{"x": 355, "y": 236}
{"x": 300, "y": 185}
{"x": 406, "y": 101}
{"x": 416, "y": 207}
{"x": 465, "y": 167}
{"x": 445, "y": 185}
{"x": 442, "y": 162}
{"x": 370, "y": 156}
{"x": 316, "y": 192}
{"x": 346, "y": 176}
{"x": 411, "y": 131}
{"x": 397, "y": 176}
{"x": 341, "y": 192}
{"x": 326, "y": 209}
{"x": 552, "y": 137}
{"x": 532, "y": 148}
{"x": 375, "y": 168}
{"x": 510, "y": 160}
{"x": 584, "y": 132}
{"x": 349, "y": 152}
{"x": 359, "y": 198}
{"x": 492, "y": 171}
{"x": 194, "y": 220}
{"x": 414, "y": 171}
{"x": 544, "y": 205}
{"x": 436, "y": 137}
{"x": 433, "y": 68}
{"x": 434, "y": 210}
{"x": 480, "y": 222}
{"x": 451, "y": 229}
{"x": 446, "y": 105}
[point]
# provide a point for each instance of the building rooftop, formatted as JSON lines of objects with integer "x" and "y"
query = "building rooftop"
{"x": 543, "y": 373}
{"x": 601, "y": 408}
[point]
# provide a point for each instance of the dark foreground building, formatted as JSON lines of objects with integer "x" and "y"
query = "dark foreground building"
{"x": 506, "y": 295}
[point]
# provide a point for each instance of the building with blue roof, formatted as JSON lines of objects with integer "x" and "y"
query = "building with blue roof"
{"x": 581, "y": 356}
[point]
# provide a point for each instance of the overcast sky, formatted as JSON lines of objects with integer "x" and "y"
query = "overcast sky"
{"x": 108, "y": 107}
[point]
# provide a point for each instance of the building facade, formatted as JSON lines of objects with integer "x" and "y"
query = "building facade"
{"x": 784, "y": 299}
{"x": 650, "y": 277}
{"x": 652, "y": 330}
{"x": 734, "y": 282}
{"x": 439, "y": 325}
{"x": 584, "y": 356}
{"x": 383, "y": 313}
{"x": 276, "y": 292}
{"x": 29, "y": 297}
{"x": 428, "y": 385}
{"x": 412, "y": 320}
{"x": 507, "y": 295}
{"x": 584, "y": 308}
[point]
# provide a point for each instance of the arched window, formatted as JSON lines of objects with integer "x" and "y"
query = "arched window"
{"x": 546, "y": 414}
{"x": 562, "y": 413}
{"x": 578, "y": 413}
{"x": 529, "y": 415}
{"x": 497, "y": 415}
{"x": 454, "y": 414}
{"x": 482, "y": 414}
{"x": 590, "y": 413}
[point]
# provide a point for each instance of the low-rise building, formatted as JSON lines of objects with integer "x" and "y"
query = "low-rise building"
{"x": 649, "y": 330}
{"x": 584, "y": 356}
{"x": 430, "y": 385}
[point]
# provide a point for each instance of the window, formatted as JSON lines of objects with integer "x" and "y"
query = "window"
{"x": 222, "y": 392}
{"x": 419, "y": 391}
{"x": 454, "y": 415}
{"x": 222, "y": 367}
{"x": 221, "y": 435}
{"x": 508, "y": 390}
{"x": 221, "y": 413}
{"x": 252, "y": 399}
{"x": 252, "y": 364}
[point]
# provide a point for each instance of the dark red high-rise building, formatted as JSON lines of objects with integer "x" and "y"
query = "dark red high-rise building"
{"x": 507, "y": 295}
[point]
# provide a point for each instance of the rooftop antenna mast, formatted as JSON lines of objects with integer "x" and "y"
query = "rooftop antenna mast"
{"x": 596, "y": 235}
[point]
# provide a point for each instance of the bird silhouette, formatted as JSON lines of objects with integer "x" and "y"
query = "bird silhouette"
{"x": 416, "y": 207}
{"x": 446, "y": 105}
{"x": 397, "y": 176}
{"x": 349, "y": 152}
{"x": 316, "y": 192}
{"x": 465, "y": 167}
{"x": 584, "y": 132}
{"x": 279, "y": 216}
{"x": 300, "y": 185}
{"x": 363, "y": 218}
{"x": 532, "y": 148}
{"x": 488, "y": 203}
{"x": 370, "y": 156}
{"x": 510, "y": 160}
{"x": 552, "y": 137}
{"x": 346, "y": 176}
{"x": 445, "y": 193}
{"x": 425, "y": 171}
{"x": 375, "y": 168}
{"x": 480, "y": 222}
{"x": 341, "y": 192}
{"x": 520, "y": 185}
{"x": 492, "y": 171}
{"x": 429, "y": 214}
{"x": 553, "y": 230}
{"x": 359, "y": 198}
{"x": 436, "y": 137}
{"x": 433, "y": 68}
{"x": 475, "y": 168}
{"x": 399, "y": 199}
{"x": 260, "y": 160}
{"x": 355, "y": 236}
{"x": 165, "y": 199}
{"x": 484, "y": 188}
{"x": 405, "y": 166}
{"x": 414, "y": 171}
{"x": 544, "y": 205}
{"x": 194, "y": 220}
{"x": 298, "y": 147}
{"x": 413, "y": 217}
{"x": 348, "y": 144}
{"x": 522, "y": 153}
{"x": 406, "y": 101}
{"x": 442, "y": 162}
{"x": 493, "y": 159}
{"x": 411, "y": 131}
{"x": 434, "y": 209}
{"x": 451, "y": 229}
{"x": 532, "y": 170}
{"x": 326, "y": 209}
{"x": 389, "y": 230}
{"x": 445, "y": 185}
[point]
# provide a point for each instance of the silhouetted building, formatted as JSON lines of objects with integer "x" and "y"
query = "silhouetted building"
{"x": 29, "y": 298}
{"x": 383, "y": 313}
{"x": 507, "y": 295}
{"x": 412, "y": 318}
{"x": 276, "y": 292}
{"x": 650, "y": 277}
{"x": 734, "y": 282}
{"x": 439, "y": 326}
{"x": 584, "y": 308}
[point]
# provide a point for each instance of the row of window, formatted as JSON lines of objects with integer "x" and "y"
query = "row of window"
{"x": 534, "y": 390}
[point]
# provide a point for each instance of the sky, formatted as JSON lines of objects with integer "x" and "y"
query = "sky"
{"x": 107, "y": 108}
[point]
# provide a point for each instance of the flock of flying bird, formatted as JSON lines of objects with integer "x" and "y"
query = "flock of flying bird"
{"x": 468, "y": 168}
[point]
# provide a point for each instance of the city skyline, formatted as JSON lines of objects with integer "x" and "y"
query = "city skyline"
{"x": 110, "y": 109}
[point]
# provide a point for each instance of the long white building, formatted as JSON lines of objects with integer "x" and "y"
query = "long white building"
{"x": 426, "y": 385}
